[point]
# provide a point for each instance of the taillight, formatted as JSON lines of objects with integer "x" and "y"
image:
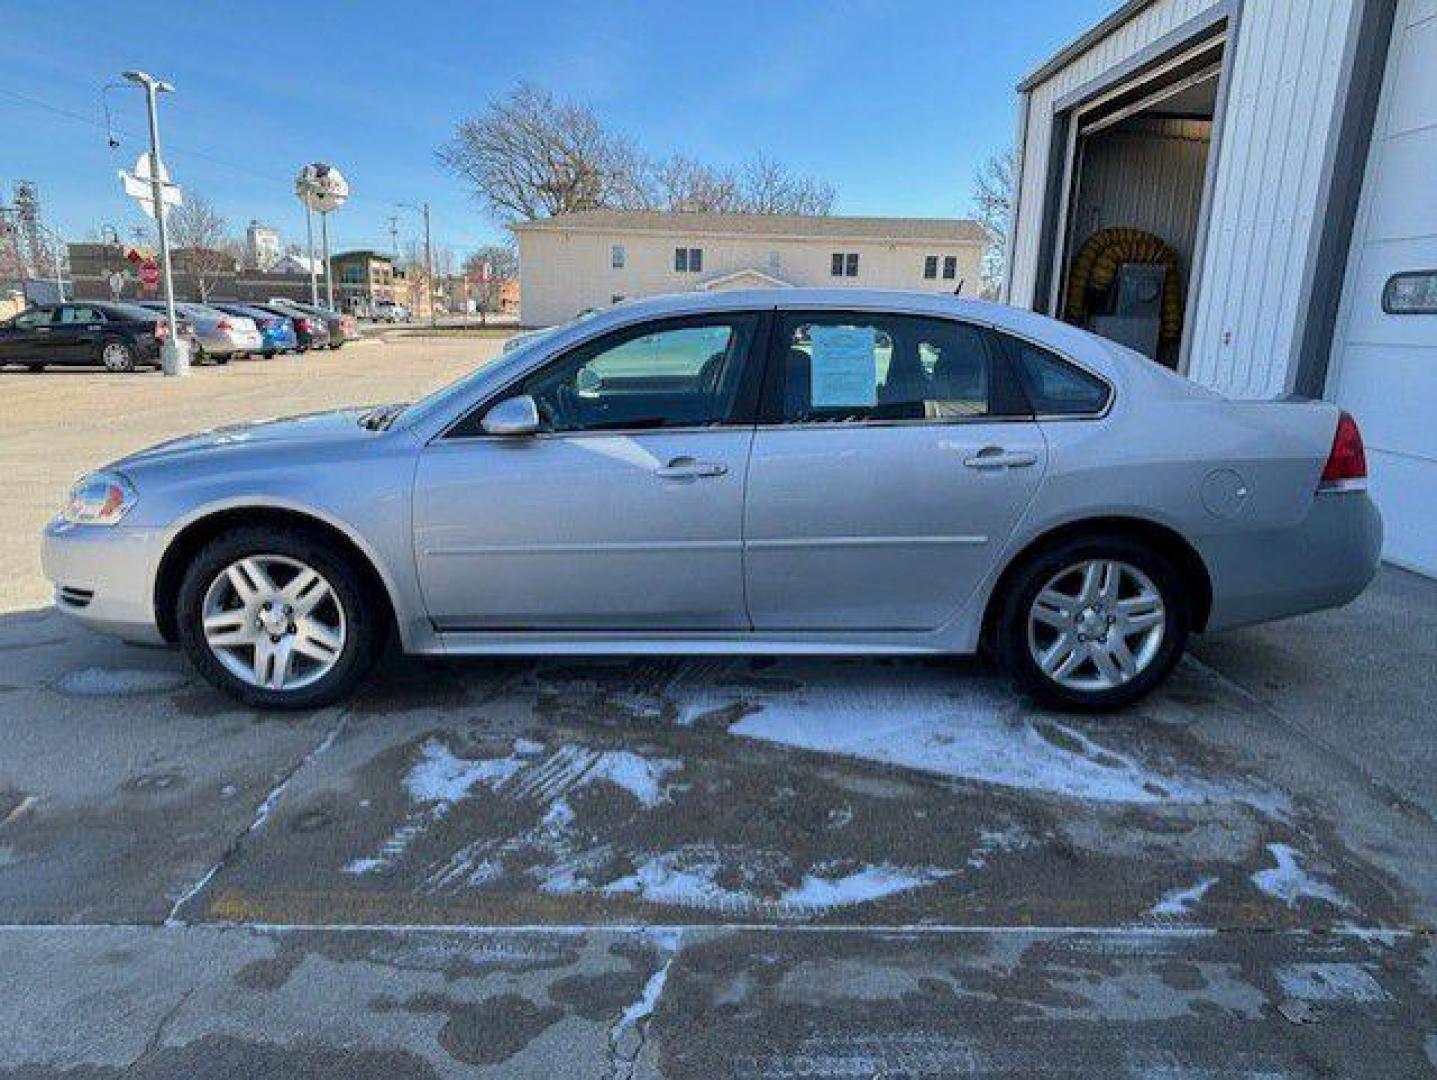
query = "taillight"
{"x": 224, "y": 324}
{"x": 302, "y": 325}
{"x": 162, "y": 330}
{"x": 1346, "y": 468}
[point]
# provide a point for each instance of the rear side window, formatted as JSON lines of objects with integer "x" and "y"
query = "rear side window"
{"x": 852, "y": 367}
{"x": 1055, "y": 387}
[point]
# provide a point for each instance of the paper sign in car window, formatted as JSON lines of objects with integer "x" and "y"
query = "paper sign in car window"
{"x": 843, "y": 368}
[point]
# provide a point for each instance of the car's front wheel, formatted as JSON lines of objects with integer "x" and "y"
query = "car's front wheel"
{"x": 1093, "y": 623}
{"x": 279, "y": 619}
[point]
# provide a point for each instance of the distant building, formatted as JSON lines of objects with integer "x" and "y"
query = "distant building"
{"x": 594, "y": 258}
{"x": 262, "y": 248}
{"x": 362, "y": 279}
{"x": 290, "y": 263}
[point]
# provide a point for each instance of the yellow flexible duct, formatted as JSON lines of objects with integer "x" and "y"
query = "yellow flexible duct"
{"x": 1097, "y": 265}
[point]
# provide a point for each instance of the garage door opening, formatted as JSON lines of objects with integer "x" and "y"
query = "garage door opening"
{"x": 1130, "y": 231}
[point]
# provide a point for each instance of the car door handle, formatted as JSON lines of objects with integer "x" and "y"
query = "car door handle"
{"x": 687, "y": 468}
{"x": 995, "y": 457}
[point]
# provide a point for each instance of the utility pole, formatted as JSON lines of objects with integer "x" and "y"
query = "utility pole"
{"x": 429, "y": 266}
{"x": 173, "y": 357}
{"x": 394, "y": 235}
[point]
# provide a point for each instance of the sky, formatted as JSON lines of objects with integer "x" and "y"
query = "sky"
{"x": 895, "y": 103}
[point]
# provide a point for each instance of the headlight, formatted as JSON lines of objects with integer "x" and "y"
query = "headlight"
{"x": 101, "y": 498}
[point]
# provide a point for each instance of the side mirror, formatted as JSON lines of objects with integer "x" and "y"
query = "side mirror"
{"x": 512, "y": 416}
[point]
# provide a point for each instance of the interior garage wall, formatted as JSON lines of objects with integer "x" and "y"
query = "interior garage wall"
{"x": 1144, "y": 28}
{"x": 1146, "y": 174}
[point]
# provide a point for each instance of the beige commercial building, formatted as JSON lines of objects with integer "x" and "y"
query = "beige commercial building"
{"x": 594, "y": 258}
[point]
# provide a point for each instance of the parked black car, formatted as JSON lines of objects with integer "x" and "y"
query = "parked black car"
{"x": 313, "y": 332}
{"x": 118, "y": 337}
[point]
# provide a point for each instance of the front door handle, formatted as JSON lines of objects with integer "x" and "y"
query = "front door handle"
{"x": 995, "y": 457}
{"x": 687, "y": 468}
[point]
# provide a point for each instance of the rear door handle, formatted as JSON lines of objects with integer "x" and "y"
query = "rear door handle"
{"x": 995, "y": 457}
{"x": 687, "y": 468}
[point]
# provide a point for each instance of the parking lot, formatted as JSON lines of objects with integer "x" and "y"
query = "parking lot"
{"x": 692, "y": 867}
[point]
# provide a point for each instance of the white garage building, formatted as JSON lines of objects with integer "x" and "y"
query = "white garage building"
{"x": 1247, "y": 191}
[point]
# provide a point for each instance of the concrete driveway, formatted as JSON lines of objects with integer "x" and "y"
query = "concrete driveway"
{"x": 696, "y": 867}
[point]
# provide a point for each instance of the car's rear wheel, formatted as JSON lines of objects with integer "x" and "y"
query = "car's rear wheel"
{"x": 117, "y": 355}
{"x": 1093, "y": 623}
{"x": 279, "y": 619}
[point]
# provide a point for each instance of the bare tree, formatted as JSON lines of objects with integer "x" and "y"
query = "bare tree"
{"x": 767, "y": 187}
{"x": 202, "y": 248}
{"x": 486, "y": 270}
{"x": 993, "y": 198}
{"x": 530, "y": 156}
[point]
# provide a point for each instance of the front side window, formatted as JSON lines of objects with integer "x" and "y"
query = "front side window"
{"x": 850, "y": 368}
{"x": 657, "y": 377}
{"x": 1055, "y": 387}
{"x": 74, "y": 314}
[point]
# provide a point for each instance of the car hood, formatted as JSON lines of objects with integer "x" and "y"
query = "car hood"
{"x": 338, "y": 424}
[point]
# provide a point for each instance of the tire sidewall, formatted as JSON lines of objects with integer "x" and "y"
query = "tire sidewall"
{"x": 129, "y": 364}
{"x": 1011, "y": 636}
{"x": 363, "y": 622}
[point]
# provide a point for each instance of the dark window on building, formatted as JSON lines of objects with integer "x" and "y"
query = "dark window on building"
{"x": 850, "y": 264}
{"x": 681, "y": 260}
{"x": 950, "y": 267}
{"x": 836, "y": 268}
{"x": 930, "y": 267}
{"x": 688, "y": 260}
{"x": 616, "y": 257}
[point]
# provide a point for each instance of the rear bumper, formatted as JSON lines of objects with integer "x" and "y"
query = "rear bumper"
{"x": 1323, "y": 562}
{"x": 104, "y": 577}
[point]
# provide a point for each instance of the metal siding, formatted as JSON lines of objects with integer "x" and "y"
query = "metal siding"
{"x": 1146, "y": 177}
{"x": 1384, "y": 367}
{"x": 1141, "y": 31}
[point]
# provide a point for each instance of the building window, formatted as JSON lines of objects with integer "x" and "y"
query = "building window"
{"x": 616, "y": 256}
{"x": 844, "y": 264}
{"x": 930, "y": 267}
{"x": 688, "y": 260}
{"x": 1411, "y": 293}
{"x": 950, "y": 267}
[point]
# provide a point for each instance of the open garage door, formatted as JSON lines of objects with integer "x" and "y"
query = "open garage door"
{"x": 1385, "y": 359}
{"x": 1129, "y": 231}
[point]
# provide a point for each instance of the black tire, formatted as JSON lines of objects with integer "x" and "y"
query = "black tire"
{"x": 366, "y": 626}
{"x": 34, "y": 367}
{"x": 221, "y": 361}
{"x": 1011, "y": 628}
{"x": 123, "y": 354}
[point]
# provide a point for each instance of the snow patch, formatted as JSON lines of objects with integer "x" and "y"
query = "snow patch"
{"x": 119, "y": 682}
{"x": 1289, "y": 882}
{"x": 442, "y": 777}
{"x": 1180, "y": 902}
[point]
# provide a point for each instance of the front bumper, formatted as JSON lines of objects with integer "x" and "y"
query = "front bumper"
{"x": 1324, "y": 561}
{"x": 104, "y": 576}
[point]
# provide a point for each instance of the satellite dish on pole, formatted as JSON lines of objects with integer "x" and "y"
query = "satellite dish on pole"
{"x": 139, "y": 185}
{"x": 321, "y": 188}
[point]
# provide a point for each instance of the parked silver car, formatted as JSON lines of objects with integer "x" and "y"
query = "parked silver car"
{"x": 786, "y": 471}
{"x": 218, "y": 334}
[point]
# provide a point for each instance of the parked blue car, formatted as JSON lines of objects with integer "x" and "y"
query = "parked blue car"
{"x": 277, "y": 333}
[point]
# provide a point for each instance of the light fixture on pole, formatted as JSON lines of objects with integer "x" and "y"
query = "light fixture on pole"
{"x": 323, "y": 189}
{"x": 150, "y": 171}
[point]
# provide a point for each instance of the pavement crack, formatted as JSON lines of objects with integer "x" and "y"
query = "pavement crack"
{"x": 262, "y": 814}
{"x": 629, "y": 1033}
{"x": 156, "y": 1041}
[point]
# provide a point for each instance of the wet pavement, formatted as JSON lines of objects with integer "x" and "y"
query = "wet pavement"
{"x": 692, "y": 867}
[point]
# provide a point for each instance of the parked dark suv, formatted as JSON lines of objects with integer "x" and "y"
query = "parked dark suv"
{"x": 118, "y": 337}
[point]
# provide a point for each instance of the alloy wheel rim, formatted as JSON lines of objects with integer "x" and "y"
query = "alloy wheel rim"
{"x": 116, "y": 356}
{"x": 274, "y": 622}
{"x": 1096, "y": 625}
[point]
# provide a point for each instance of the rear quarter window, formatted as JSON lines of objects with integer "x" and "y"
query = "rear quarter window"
{"x": 1054, "y": 386}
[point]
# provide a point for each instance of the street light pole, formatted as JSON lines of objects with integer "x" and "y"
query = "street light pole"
{"x": 429, "y": 267}
{"x": 309, "y": 229}
{"x": 328, "y": 270}
{"x": 173, "y": 357}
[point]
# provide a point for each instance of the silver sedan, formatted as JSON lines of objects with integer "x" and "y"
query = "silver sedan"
{"x": 829, "y": 472}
